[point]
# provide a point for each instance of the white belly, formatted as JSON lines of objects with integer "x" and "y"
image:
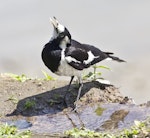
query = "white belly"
{"x": 66, "y": 70}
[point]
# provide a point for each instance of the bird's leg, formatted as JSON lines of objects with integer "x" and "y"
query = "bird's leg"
{"x": 72, "y": 77}
{"x": 79, "y": 93}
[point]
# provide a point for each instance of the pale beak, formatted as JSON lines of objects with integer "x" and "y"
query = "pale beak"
{"x": 54, "y": 22}
{"x": 57, "y": 26}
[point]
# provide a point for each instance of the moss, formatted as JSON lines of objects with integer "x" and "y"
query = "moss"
{"x": 141, "y": 129}
{"x": 29, "y": 104}
{"x": 115, "y": 118}
{"x": 7, "y": 131}
{"x": 99, "y": 111}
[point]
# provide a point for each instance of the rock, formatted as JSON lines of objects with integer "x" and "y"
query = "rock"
{"x": 101, "y": 107}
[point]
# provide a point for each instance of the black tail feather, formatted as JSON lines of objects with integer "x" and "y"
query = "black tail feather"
{"x": 116, "y": 59}
{"x": 109, "y": 54}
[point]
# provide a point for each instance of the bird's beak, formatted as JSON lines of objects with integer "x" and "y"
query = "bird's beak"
{"x": 57, "y": 26}
{"x": 54, "y": 22}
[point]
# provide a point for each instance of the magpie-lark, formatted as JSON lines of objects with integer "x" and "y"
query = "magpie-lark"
{"x": 67, "y": 57}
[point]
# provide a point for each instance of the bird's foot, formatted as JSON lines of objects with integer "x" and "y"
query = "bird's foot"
{"x": 76, "y": 107}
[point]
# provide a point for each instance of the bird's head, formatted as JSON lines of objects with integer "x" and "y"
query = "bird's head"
{"x": 60, "y": 33}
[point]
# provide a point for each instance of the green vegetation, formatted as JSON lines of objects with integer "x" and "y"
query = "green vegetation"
{"x": 55, "y": 100}
{"x": 141, "y": 129}
{"x": 29, "y": 104}
{"x": 94, "y": 75}
{"x": 99, "y": 111}
{"x": 20, "y": 78}
{"x": 82, "y": 133}
{"x": 90, "y": 76}
{"x": 23, "y": 77}
{"x": 13, "y": 99}
{"x": 7, "y": 131}
{"x": 47, "y": 76}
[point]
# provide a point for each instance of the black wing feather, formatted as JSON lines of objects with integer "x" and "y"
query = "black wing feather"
{"x": 51, "y": 56}
{"x": 80, "y": 51}
{"x": 79, "y": 54}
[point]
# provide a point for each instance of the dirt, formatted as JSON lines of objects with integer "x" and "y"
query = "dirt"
{"x": 15, "y": 96}
{"x": 36, "y": 104}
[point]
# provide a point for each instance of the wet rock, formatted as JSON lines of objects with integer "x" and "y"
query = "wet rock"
{"x": 115, "y": 118}
{"x": 20, "y": 124}
{"x": 101, "y": 107}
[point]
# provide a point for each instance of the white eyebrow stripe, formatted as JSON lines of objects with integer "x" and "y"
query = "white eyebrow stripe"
{"x": 91, "y": 57}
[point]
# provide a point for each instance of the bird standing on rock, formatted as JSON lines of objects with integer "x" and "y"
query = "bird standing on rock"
{"x": 67, "y": 57}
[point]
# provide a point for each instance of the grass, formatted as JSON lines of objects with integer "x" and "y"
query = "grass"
{"x": 29, "y": 104}
{"x": 13, "y": 99}
{"x": 7, "y": 131}
{"x": 94, "y": 75}
{"x": 20, "y": 78}
{"x": 23, "y": 77}
{"x": 90, "y": 76}
{"x": 47, "y": 76}
{"x": 141, "y": 129}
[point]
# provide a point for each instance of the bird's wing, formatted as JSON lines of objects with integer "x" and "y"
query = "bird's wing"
{"x": 82, "y": 56}
{"x": 76, "y": 57}
{"x": 94, "y": 50}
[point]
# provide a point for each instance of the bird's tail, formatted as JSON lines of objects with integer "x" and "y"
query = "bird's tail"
{"x": 109, "y": 54}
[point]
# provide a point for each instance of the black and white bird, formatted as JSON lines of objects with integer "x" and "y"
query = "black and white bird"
{"x": 67, "y": 57}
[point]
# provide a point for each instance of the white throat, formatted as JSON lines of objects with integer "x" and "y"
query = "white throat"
{"x": 64, "y": 42}
{"x": 60, "y": 29}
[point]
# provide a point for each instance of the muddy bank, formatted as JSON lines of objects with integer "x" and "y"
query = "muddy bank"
{"x": 38, "y": 97}
{"x": 38, "y": 105}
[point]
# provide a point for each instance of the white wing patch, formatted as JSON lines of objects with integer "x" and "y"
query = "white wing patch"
{"x": 108, "y": 58}
{"x": 91, "y": 57}
{"x": 69, "y": 59}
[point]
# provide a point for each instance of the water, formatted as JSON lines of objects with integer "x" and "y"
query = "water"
{"x": 20, "y": 124}
{"x": 120, "y": 27}
{"x": 119, "y": 117}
